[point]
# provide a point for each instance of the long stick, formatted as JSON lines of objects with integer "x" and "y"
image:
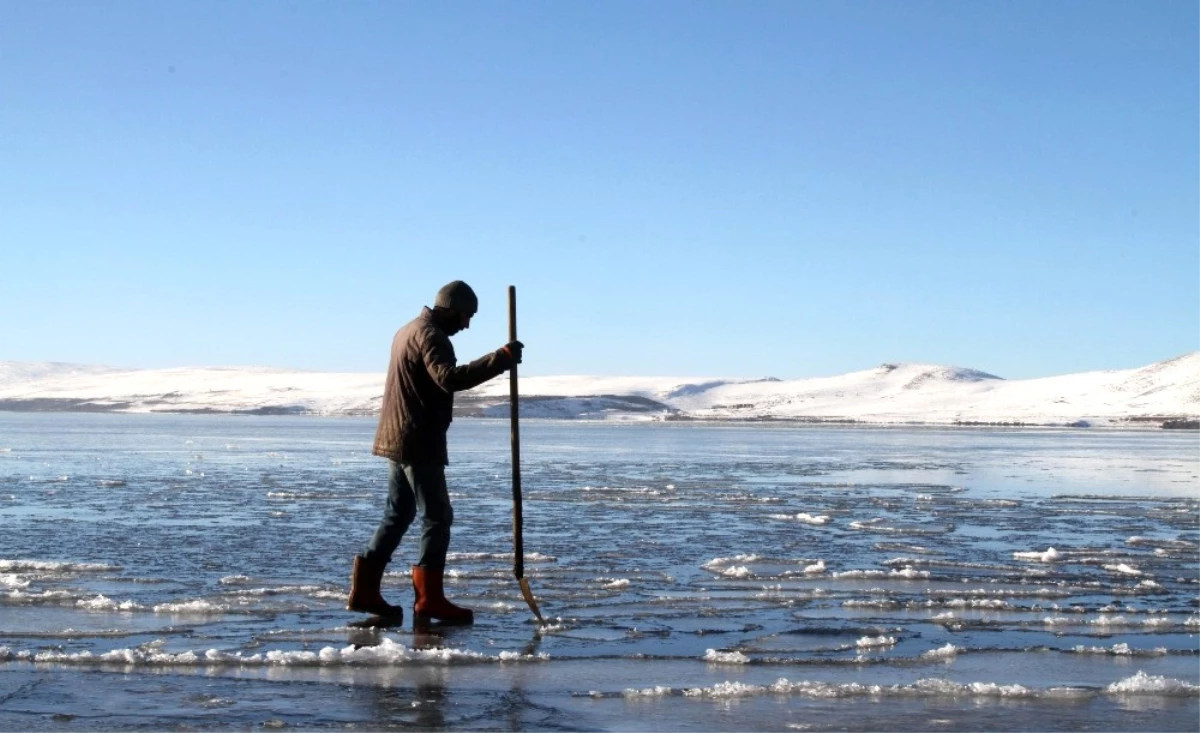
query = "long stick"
{"x": 515, "y": 436}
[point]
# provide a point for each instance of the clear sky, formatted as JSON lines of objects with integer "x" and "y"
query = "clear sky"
{"x": 787, "y": 189}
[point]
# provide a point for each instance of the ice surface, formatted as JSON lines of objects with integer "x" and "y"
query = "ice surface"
{"x": 653, "y": 552}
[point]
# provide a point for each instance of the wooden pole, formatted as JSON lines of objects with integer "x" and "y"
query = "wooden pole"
{"x": 515, "y": 439}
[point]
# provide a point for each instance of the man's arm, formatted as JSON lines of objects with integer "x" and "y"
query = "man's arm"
{"x": 447, "y": 374}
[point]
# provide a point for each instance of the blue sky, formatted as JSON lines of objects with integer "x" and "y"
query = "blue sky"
{"x": 790, "y": 189}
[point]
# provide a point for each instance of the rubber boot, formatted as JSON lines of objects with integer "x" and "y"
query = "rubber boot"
{"x": 364, "y": 589}
{"x": 431, "y": 603}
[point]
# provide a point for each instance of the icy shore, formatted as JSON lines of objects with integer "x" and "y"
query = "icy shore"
{"x": 1164, "y": 394}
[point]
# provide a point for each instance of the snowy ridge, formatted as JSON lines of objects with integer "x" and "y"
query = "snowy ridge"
{"x": 15, "y": 372}
{"x": 889, "y": 394}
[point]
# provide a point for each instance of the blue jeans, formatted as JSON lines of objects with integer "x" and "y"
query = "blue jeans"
{"x": 412, "y": 487}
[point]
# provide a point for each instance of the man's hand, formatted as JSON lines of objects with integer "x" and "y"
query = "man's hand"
{"x": 514, "y": 349}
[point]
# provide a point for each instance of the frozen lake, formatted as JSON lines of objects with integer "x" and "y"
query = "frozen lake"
{"x": 160, "y": 571}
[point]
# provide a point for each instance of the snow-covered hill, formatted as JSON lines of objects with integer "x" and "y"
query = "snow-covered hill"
{"x": 888, "y": 394}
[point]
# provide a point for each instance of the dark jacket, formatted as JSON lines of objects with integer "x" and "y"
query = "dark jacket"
{"x": 418, "y": 395}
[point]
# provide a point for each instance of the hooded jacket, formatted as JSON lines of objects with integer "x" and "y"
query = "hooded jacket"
{"x": 418, "y": 395}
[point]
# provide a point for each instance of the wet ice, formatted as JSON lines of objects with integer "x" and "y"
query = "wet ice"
{"x": 746, "y": 563}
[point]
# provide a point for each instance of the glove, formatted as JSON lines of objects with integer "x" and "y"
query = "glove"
{"x": 513, "y": 349}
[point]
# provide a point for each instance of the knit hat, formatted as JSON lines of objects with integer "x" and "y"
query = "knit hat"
{"x": 457, "y": 296}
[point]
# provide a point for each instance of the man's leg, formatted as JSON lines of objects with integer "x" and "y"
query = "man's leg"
{"x": 433, "y": 499}
{"x": 398, "y": 514}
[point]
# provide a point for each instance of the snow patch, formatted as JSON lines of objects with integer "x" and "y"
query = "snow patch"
{"x": 715, "y": 657}
{"x": 946, "y": 652}
{"x": 1050, "y": 555}
{"x": 872, "y": 642}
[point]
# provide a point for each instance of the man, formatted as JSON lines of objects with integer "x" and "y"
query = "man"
{"x": 418, "y": 399}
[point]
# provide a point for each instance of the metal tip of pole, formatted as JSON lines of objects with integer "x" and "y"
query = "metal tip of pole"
{"x": 525, "y": 591}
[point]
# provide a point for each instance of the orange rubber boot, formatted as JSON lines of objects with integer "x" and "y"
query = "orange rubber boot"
{"x": 431, "y": 603}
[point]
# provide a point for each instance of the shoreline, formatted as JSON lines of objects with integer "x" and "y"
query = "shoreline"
{"x": 1182, "y": 423}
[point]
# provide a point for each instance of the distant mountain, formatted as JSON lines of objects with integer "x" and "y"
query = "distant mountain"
{"x": 1165, "y": 393}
